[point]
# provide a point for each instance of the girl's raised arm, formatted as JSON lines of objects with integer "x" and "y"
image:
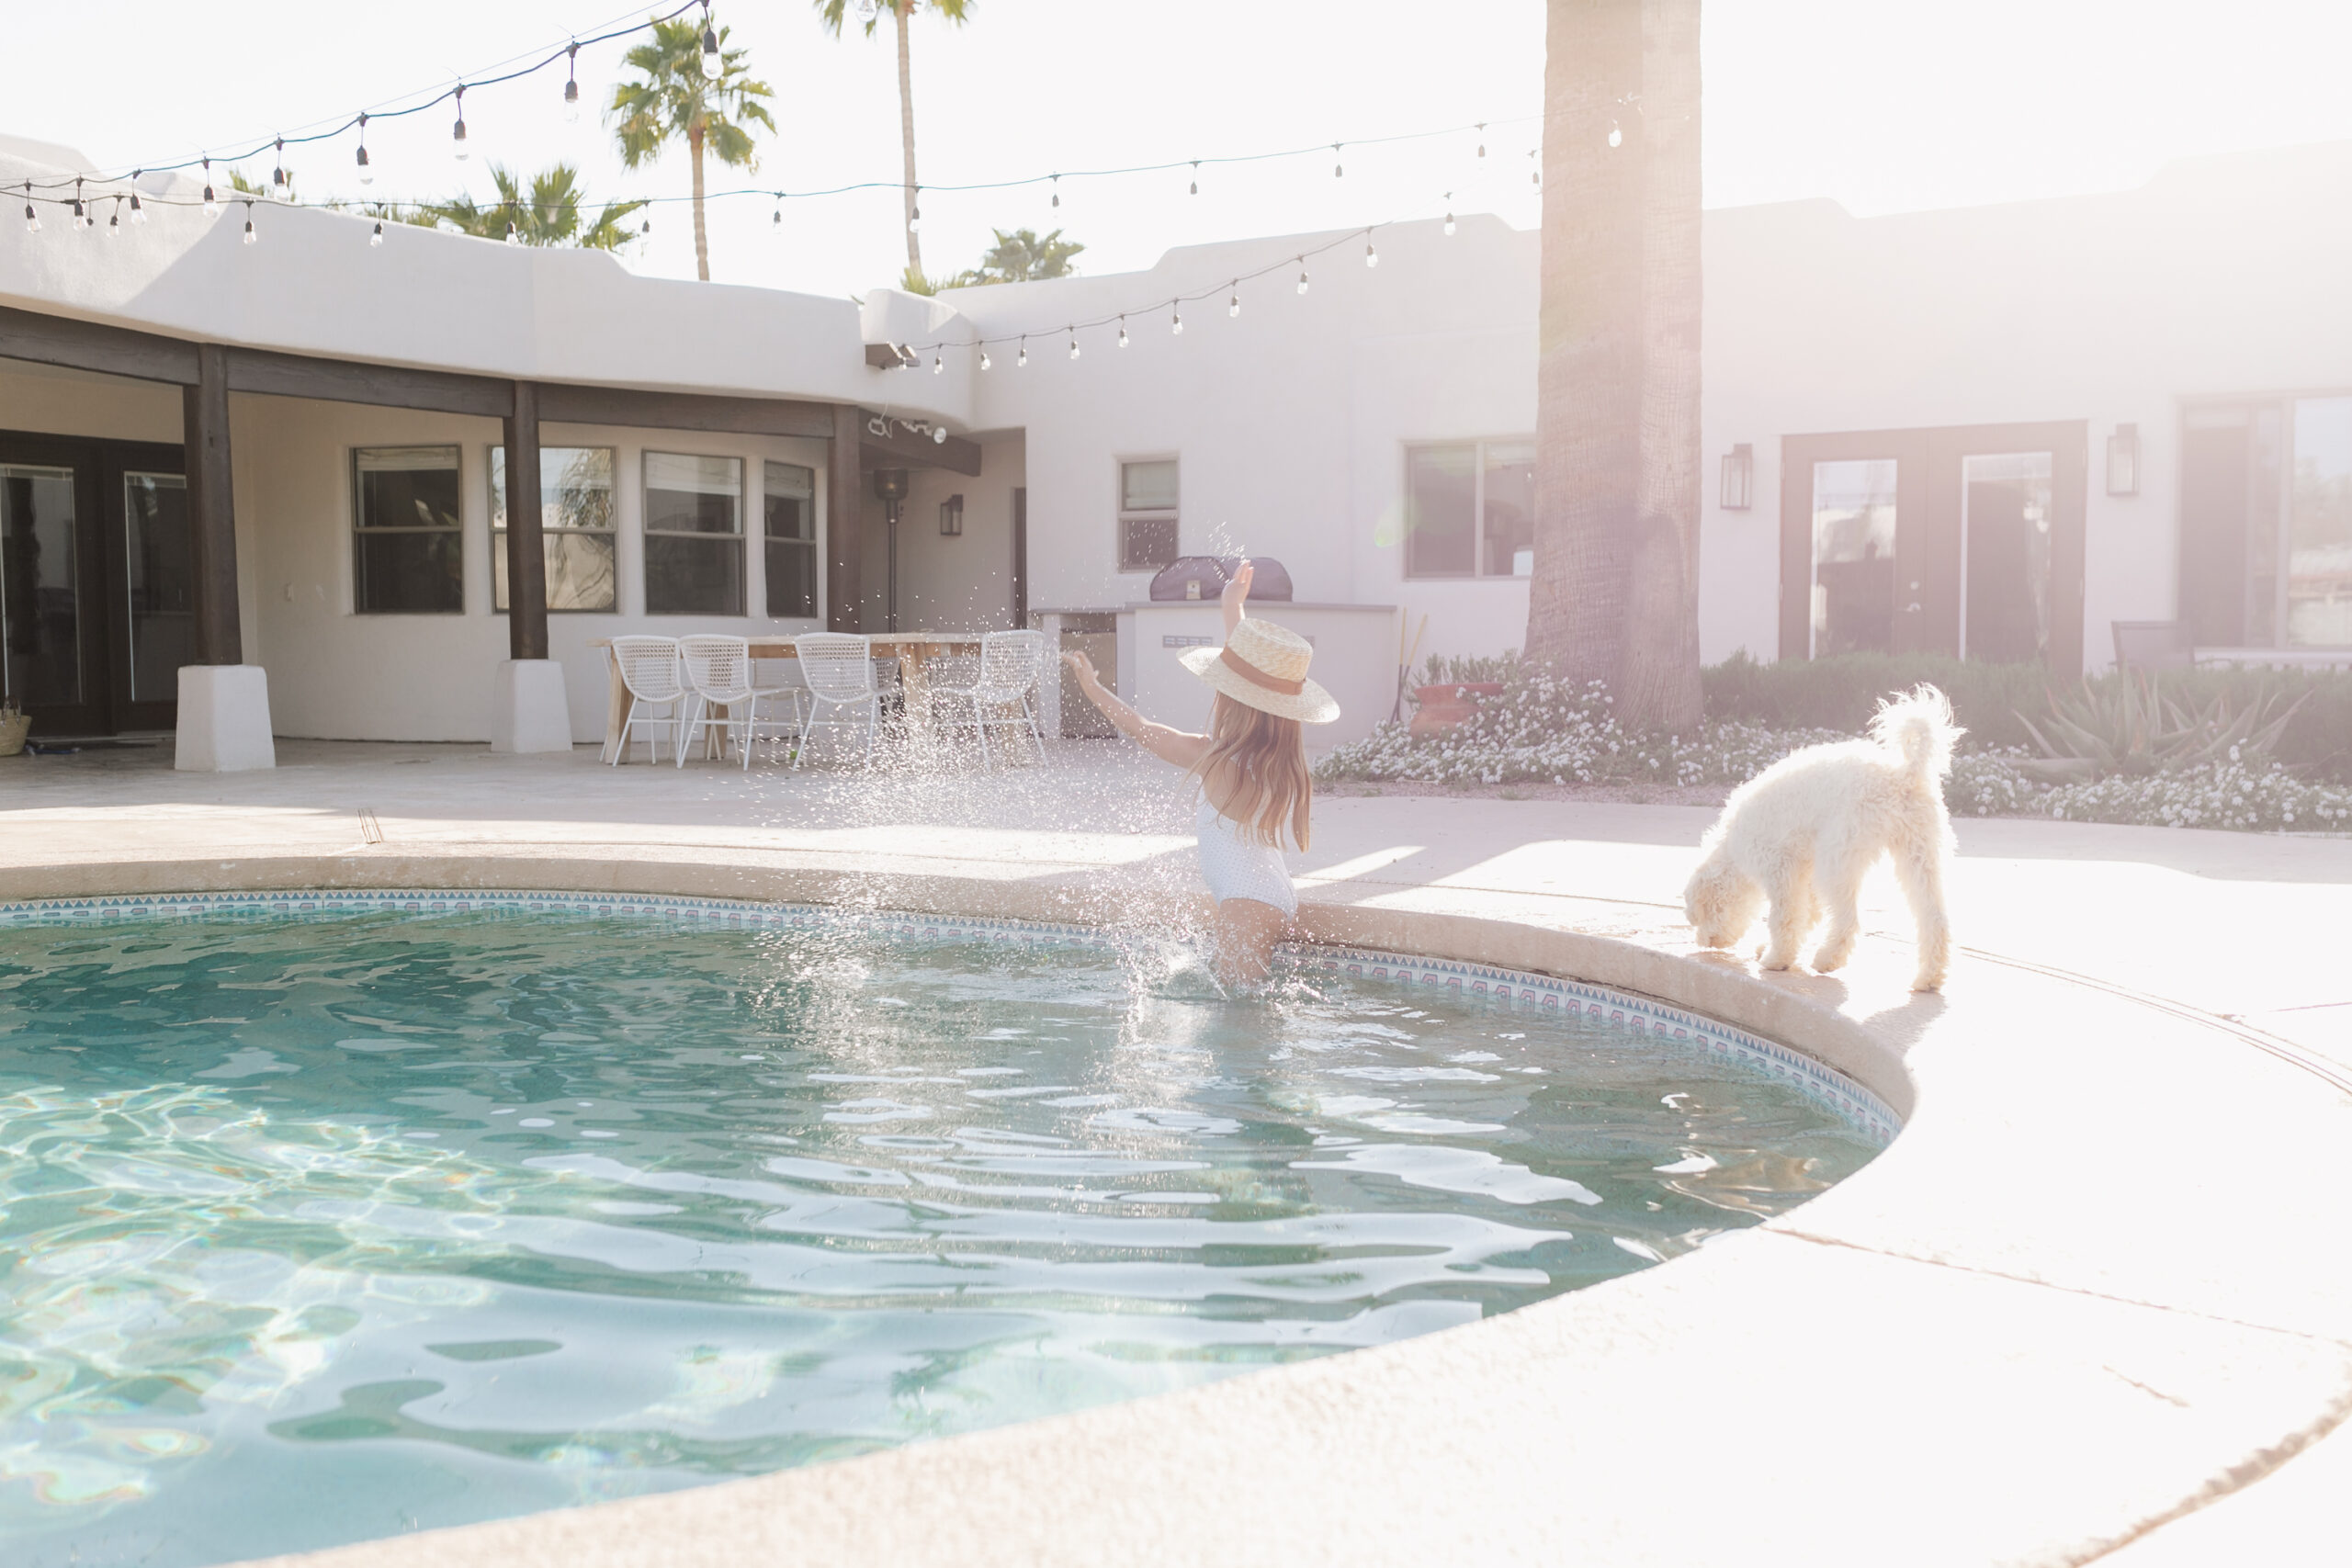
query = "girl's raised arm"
{"x": 1167, "y": 745}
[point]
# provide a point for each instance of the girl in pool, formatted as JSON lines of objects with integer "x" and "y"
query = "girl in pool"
{"x": 1251, "y": 766}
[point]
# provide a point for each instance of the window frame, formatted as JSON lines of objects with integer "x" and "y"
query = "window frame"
{"x": 2274, "y": 532}
{"x": 493, "y": 482}
{"x": 1127, "y": 516}
{"x": 360, "y": 530}
{"x": 812, "y": 544}
{"x": 1479, "y": 447}
{"x": 647, "y": 534}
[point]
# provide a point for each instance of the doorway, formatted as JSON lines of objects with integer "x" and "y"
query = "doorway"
{"x": 95, "y": 586}
{"x": 1965, "y": 540}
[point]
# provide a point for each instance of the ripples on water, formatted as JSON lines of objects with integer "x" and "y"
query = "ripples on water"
{"x": 315, "y": 1231}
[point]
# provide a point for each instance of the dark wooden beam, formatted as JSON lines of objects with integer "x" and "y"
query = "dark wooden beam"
{"x": 683, "y": 410}
{"x": 211, "y": 515}
{"x": 384, "y": 386}
{"x": 844, "y": 523}
{"x": 901, "y": 448}
{"x": 86, "y": 345}
{"x": 527, "y": 560}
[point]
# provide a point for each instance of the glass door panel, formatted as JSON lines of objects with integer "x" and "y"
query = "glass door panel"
{"x": 41, "y": 603}
{"x": 2319, "y": 525}
{"x": 158, "y": 591}
{"x": 2005, "y": 512}
{"x": 1853, "y": 556}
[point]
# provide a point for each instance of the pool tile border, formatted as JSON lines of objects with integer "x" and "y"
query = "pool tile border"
{"x": 1547, "y": 995}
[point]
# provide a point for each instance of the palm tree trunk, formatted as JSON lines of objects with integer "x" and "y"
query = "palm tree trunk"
{"x": 701, "y": 238}
{"x": 1659, "y": 684}
{"x": 899, "y": 10}
{"x": 1588, "y": 388}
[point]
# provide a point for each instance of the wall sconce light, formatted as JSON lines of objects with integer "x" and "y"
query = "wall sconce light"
{"x": 951, "y": 516}
{"x": 1739, "y": 478}
{"x": 2123, "y": 460}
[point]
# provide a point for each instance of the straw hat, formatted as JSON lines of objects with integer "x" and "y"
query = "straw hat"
{"x": 1264, "y": 665}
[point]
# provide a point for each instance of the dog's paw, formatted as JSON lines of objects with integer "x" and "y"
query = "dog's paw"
{"x": 1927, "y": 980}
{"x": 1829, "y": 960}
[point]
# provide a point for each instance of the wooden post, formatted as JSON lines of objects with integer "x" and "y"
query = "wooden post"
{"x": 845, "y": 524}
{"x": 211, "y": 509}
{"x": 527, "y": 560}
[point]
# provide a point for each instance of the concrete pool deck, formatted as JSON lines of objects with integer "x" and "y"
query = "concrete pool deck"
{"x": 2093, "y": 1304}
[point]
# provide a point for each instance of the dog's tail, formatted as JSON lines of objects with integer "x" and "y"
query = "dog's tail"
{"x": 1918, "y": 724}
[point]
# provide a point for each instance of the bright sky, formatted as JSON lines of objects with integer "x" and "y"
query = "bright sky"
{"x": 1884, "y": 105}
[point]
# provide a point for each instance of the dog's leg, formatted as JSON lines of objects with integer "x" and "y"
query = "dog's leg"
{"x": 1921, "y": 871}
{"x": 1794, "y": 908}
{"x": 1842, "y": 869}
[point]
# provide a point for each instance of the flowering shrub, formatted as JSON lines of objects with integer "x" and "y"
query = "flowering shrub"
{"x": 2262, "y": 797}
{"x": 1990, "y": 784}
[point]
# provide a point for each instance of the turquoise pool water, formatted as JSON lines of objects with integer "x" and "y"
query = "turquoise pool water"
{"x": 322, "y": 1229}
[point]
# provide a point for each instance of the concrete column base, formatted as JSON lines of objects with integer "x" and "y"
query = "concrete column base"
{"x": 528, "y": 711}
{"x": 225, "y": 720}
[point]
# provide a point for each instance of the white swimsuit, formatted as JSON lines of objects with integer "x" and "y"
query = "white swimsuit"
{"x": 1237, "y": 867}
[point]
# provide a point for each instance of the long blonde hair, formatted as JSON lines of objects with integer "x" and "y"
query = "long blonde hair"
{"x": 1260, "y": 759}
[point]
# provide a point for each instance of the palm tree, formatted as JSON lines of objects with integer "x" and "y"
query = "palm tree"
{"x": 675, "y": 99}
{"x": 550, "y": 215}
{"x": 956, "y": 11}
{"x": 1614, "y": 594}
{"x": 1020, "y": 256}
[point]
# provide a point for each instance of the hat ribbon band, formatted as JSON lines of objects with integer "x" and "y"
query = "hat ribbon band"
{"x": 1258, "y": 677}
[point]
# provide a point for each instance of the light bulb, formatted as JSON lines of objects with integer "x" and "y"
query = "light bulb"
{"x": 513, "y": 238}
{"x": 1017, "y": 364}
{"x": 938, "y": 365}
{"x": 1337, "y": 170}
{"x": 32, "y": 219}
{"x": 939, "y": 435}
{"x": 1197, "y": 176}
{"x": 250, "y": 236}
{"x": 138, "y": 213}
{"x": 1371, "y": 256}
{"x": 211, "y": 203}
{"x": 1123, "y": 332}
{"x": 377, "y": 238}
{"x": 277, "y": 174}
{"x": 712, "y": 65}
{"x": 1449, "y": 223}
{"x": 1058, "y": 190}
{"x": 366, "y": 170}
{"x": 1302, "y": 280}
{"x": 458, "y": 132}
{"x": 1175, "y": 324}
{"x": 1482, "y": 139}
{"x": 914, "y": 220}
{"x": 571, "y": 87}
{"x": 1233, "y": 305}
{"x": 985, "y": 360}
{"x": 776, "y": 225}
{"x": 114, "y": 220}
{"x": 1074, "y": 345}
{"x": 1616, "y": 136}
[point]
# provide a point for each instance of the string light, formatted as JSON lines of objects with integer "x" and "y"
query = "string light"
{"x": 114, "y": 220}
{"x": 1535, "y": 175}
{"x": 571, "y": 87}
{"x": 1449, "y": 215}
{"x": 376, "y": 239}
{"x": 984, "y": 359}
{"x": 1023, "y": 360}
{"x": 1073, "y": 341}
{"x": 1616, "y": 135}
{"x": 277, "y": 174}
{"x": 1058, "y": 190}
{"x": 32, "y": 219}
{"x": 1175, "y": 322}
{"x": 1337, "y": 168}
{"x": 776, "y": 225}
{"x": 513, "y": 236}
{"x": 250, "y": 236}
{"x": 1482, "y": 139}
{"x": 366, "y": 170}
{"x": 80, "y": 218}
{"x": 1302, "y": 275}
{"x": 457, "y": 132}
{"x": 712, "y": 65}
{"x": 938, "y": 365}
{"x": 1233, "y": 305}
{"x": 1123, "y": 332}
{"x": 914, "y": 213}
{"x": 211, "y": 202}
{"x": 1197, "y": 176}
{"x": 1371, "y": 256}
{"x": 138, "y": 213}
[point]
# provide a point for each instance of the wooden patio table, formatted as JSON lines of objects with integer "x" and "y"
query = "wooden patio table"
{"x": 914, "y": 652}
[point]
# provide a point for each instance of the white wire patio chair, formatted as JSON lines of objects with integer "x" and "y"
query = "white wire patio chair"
{"x": 838, "y": 668}
{"x": 719, "y": 681}
{"x": 1002, "y": 694}
{"x": 649, "y": 669}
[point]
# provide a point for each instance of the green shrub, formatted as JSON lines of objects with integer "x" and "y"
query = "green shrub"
{"x": 2317, "y": 741}
{"x": 1841, "y": 692}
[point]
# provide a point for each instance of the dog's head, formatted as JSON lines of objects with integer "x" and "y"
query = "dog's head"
{"x": 1719, "y": 903}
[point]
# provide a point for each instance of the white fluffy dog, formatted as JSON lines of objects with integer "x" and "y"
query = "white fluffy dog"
{"x": 1802, "y": 833}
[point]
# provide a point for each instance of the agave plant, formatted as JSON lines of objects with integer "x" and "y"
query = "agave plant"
{"x": 2131, "y": 725}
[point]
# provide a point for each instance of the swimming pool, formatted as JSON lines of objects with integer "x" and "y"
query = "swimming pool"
{"x": 331, "y": 1217}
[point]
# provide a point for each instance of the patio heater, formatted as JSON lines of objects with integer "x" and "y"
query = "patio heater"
{"x": 890, "y": 485}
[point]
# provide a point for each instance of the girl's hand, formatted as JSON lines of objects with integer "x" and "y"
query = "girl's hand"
{"x": 1236, "y": 591}
{"x": 1083, "y": 668}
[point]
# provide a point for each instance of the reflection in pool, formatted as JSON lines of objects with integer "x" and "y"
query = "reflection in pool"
{"x": 323, "y": 1229}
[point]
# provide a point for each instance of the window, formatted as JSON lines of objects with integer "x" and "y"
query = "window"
{"x": 407, "y": 556}
{"x": 158, "y": 586}
{"x": 2004, "y": 517}
{"x": 789, "y": 495}
{"x": 1470, "y": 509}
{"x": 2266, "y": 523}
{"x": 694, "y": 534}
{"x": 576, "y": 522}
{"x": 2319, "y": 525}
{"x": 1147, "y": 514}
{"x": 40, "y": 599}
{"x": 1853, "y": 556}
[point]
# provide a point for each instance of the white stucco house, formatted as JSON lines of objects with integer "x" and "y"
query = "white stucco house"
{"x": 235, "y": 473}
